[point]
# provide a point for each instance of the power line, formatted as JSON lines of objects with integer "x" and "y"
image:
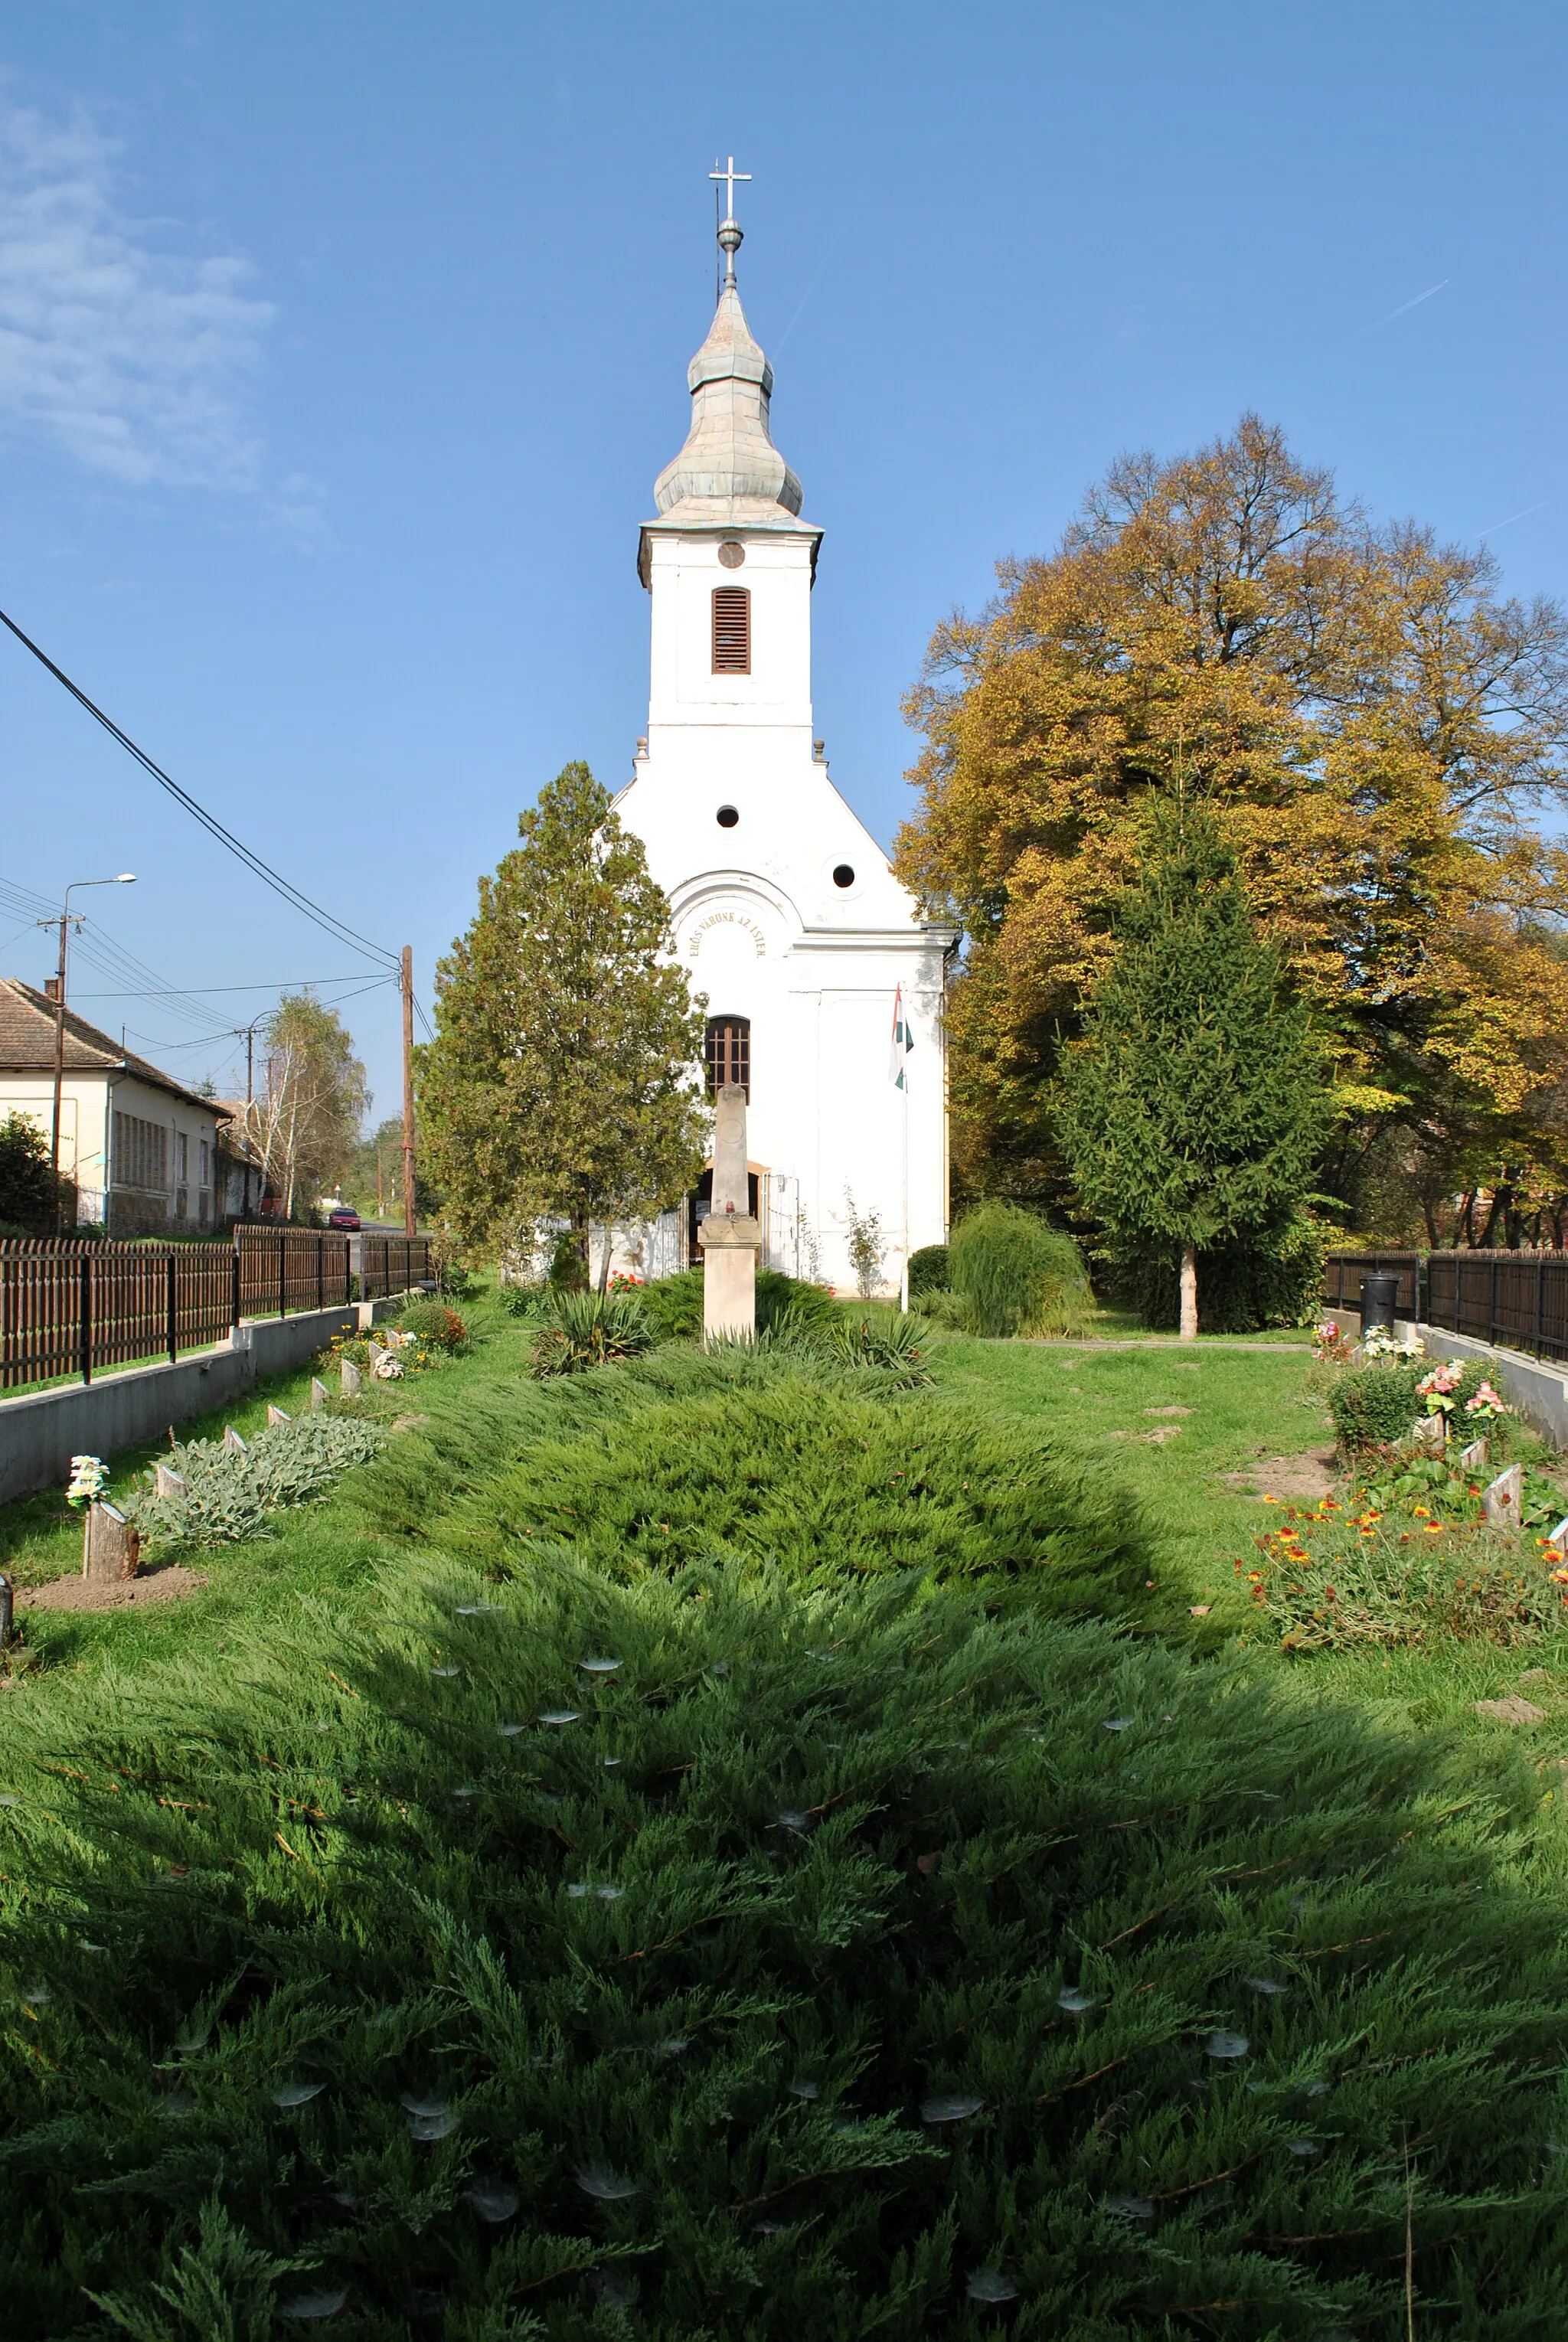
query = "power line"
{"x": 205, "y": 991}
{"x": 209, "y": 822}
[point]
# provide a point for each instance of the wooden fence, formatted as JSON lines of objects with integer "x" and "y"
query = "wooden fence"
{"x": 71, "y": 1305}
{"x": 1518, "y": 1300}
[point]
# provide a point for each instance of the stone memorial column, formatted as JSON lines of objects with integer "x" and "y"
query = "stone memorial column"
{"x": 730, "y": 1237}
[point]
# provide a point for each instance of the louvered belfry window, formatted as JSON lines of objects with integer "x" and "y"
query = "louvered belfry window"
{"x": 732, "y": 630}
{"x": 729, "y": 1053}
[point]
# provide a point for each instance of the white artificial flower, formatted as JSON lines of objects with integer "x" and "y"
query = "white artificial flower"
{"x": 89, "y": 1479}
{"x": 388, "y": 1368}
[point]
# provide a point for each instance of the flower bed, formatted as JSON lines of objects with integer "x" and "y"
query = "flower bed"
{"x": 1409, "y": 1558}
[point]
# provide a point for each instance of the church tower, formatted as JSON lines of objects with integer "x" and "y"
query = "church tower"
{"x": 786, "y": 913}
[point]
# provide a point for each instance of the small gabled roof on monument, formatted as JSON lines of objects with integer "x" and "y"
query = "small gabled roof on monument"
{"x": 729, "y": 475}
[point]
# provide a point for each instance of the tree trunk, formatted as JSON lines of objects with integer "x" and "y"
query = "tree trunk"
{"x": 1189, "y": 1293}
{"x": 605, "y": 1264}
{"x": 1429, "y": 1214}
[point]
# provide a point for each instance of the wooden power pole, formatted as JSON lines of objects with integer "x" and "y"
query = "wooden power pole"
{"x": 407, "y": 989}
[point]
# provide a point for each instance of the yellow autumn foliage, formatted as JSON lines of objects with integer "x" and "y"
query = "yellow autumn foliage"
{"x": 1374, "y": 727}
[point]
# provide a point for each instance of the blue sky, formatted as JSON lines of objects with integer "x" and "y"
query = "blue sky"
{"x": 339, "y": 347}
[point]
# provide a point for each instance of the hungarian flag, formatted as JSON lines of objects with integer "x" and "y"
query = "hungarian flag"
{"x": 901, "y": 1043}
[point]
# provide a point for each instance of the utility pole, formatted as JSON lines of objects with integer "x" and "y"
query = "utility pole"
{"x": 124, "y": 878}
{"x": 407, "y": 990}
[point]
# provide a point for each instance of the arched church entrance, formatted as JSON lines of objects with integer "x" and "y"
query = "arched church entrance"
{"x": 700, "y": 1200}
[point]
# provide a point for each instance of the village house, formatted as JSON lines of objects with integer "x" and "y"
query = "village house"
{"x": 142, "y": 1148}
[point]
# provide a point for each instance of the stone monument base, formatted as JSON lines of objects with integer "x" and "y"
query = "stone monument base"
{"x": 730, "y": 1248}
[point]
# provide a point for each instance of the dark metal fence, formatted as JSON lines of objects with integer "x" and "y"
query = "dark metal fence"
{"x": 392, "y": 1265}
{"x": 72, "y": 1304}
{"x": 1516, "y": 1299}
{"x": 1342, "y": 1273}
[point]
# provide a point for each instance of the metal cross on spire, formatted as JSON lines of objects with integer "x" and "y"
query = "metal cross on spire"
{"x": 729, "y": 175}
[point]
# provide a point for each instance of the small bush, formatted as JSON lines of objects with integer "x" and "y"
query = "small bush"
{"x": 26, "y": 1178}
{"x": 1013, "y": 1273}
{"x": 429, "y": 1320}
{"x": 231, "y": 1491}
{"x": 927, "y": 1269}
{"x": 1375, "y": 1407}
{"x": 580, "y": 1330}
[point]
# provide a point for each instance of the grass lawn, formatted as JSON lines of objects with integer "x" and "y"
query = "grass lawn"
{"x": 675, "y": 1854}
{"x": 1170, "y": 1421}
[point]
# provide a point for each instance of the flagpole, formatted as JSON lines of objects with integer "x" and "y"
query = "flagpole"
{"x": 904, "y": 1280}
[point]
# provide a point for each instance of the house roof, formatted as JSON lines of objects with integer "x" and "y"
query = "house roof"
{"x": 238, "y": 1146}
{"x": 27, "y": 1045}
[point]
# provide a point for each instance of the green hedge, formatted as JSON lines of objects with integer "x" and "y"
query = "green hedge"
{"x": 673, "y": 1304}
{"x": 827, "y": 1965}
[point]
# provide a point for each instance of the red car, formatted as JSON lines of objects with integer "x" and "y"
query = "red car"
{"x": 344, "y": 1216}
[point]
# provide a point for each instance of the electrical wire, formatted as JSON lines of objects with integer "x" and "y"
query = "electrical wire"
{"x": 290, "y": 894}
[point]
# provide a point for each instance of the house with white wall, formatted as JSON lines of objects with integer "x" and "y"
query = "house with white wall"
{"x": 142, "y": 1148}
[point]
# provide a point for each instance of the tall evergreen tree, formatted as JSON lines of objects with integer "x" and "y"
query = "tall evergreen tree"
{"x": 562, "y": 1079}
{"x": 1191, "y": 1110}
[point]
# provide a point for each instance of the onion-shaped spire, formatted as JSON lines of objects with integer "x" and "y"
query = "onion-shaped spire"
{"x": 729, "y": 469}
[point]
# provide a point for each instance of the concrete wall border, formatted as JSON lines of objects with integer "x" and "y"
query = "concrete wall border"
{"x": 40, "y": 1431}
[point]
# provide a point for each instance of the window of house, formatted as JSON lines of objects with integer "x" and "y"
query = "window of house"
{"x": 206, "y": 1162}
{"x": 732, "y": 630}
{"x": 728, "y": 1053}
{"x": 141, "y": 1153}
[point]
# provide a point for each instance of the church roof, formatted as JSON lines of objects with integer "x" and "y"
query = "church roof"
{"x": 729, "y": 473}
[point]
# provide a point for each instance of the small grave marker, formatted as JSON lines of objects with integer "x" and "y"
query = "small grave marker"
{"x": 317, "y": 1394}
{"x": 1473, "y": 1457}
{"x": 1503, "y": 1498}
{"x": 1558, "y": 1540}
{"x": 275, "y": 1415}
{"x": 377, "y": 1354}
{"x": 166, "y": 1481}
{"x": 110, "y": 1548}
{"x": 233, "y": 1443}
{"x": 352, "y": 1380}
{"x": 1428, "y": 1433}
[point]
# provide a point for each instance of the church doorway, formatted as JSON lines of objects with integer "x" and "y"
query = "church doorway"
{"x": 699, "y": 1203}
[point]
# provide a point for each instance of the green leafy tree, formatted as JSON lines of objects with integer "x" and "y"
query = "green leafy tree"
{"x": 563, "y": 1079}
{"x": 1191, "y": 1110}
{"x": 26, "y": 1180}
{"x": 304, "y": 1122}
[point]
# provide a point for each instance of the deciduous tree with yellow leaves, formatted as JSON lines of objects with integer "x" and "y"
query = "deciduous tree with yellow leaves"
{"x": 1376, "y": 729}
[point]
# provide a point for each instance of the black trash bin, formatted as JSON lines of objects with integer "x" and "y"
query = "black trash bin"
{"x": 1378, "y": 1295}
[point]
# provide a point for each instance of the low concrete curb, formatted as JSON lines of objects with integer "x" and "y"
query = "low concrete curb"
{"x": 1538, "y": 1387}
{"x": 40, "y": 1431}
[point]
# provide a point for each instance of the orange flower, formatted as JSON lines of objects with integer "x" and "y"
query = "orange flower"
{"x": 1434, "y": 1529}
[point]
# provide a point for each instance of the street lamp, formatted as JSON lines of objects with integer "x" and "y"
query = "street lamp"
{"x": 125, "y": 878}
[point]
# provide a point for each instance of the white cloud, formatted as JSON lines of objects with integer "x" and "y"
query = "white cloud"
{"x": 134, "y": 359}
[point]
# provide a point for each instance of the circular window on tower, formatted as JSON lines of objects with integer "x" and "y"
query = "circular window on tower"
{"x": 730, "y": 555}
{"x": 843, "y": 875}
{"x": 728, "y": 817}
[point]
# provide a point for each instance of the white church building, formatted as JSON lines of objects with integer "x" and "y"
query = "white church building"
{"x": 785, "y": 910}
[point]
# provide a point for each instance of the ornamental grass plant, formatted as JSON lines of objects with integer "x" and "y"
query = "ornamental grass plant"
{"x": 1012, "y": 1274}
{"x": 707, "y": 1957}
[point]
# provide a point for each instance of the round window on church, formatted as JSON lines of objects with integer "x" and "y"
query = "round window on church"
{"x": 730, "y": 555}
{"x": 728, "y": 817}
{"x": 843, "y": 875}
